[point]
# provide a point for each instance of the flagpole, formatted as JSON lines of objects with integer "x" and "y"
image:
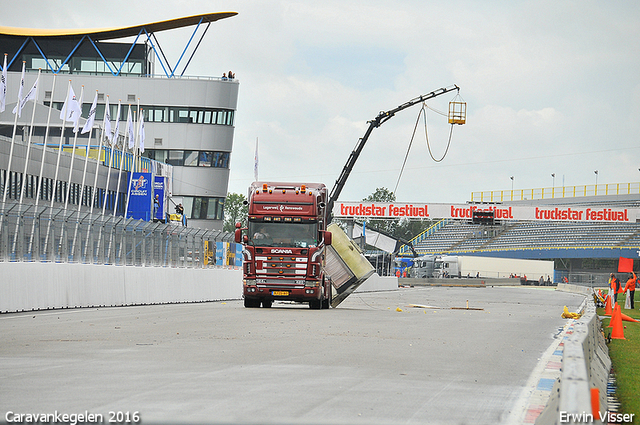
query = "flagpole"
{"x": 13, "y": 138}
{"x": 113, "y": 143}
{"x": 73, "y": 156}
{"x": 133, "y": 164}
{"x": 92, "y": 113}
{"x": 133, "y": 146}
{"x": 95, "y": 178}
{"x": 137, "y": 136}
{"x": 44, "y": 152}
{"x": 106, "y": 118}
{"x": 26, "y": 158}
{"x": 55, "y": 179}
{"x": 124, "y": 145}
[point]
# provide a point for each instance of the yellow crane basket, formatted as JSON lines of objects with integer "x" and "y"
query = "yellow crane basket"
{"x": 457, "y": 110}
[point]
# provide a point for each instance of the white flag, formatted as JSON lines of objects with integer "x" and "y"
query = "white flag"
{"x": 31, "y": 95}
{"x": 107, "y": 120}
{"x": 3, "y": 86}
{"x": 255, "y": 164}
{"x": 114, "y": 137}
{"x": 130, "y": 132}
{"x": 92, "y": 116}
{"x": 141, "y": 131}
{"x": 71, "y": 110}
{"x": 20, "y": 90}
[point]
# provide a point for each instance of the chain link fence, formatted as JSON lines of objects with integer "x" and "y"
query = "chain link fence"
{"x": 43, "y": 234}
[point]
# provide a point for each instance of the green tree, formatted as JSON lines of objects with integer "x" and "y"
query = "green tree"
{"x": 236, "y": 210}
{"x": 388, "y": 226}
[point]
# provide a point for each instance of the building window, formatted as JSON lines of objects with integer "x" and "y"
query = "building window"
{"x": 170, "y": 114}
{"x": 221, "y": 159}
{"x": 205, "y": 159}
{"x": 203, "y": 208}
{"x": 175, "y": 158}
{"x": 190, "y": 158}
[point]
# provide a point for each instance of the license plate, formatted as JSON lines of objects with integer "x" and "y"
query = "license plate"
{"x": 280, "y": 293}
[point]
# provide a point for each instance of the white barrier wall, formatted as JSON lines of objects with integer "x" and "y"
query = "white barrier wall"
{"x": 585, "y": 365}
{"x": 378, "y": 283}
{"x": 40, "y": 286}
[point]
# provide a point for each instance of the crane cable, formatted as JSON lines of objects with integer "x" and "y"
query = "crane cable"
{"x": 423, "y": 109}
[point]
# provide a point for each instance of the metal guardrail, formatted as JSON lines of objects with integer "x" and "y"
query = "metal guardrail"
{"x": 44, "y": 234}
{"x": 556, "y": 192}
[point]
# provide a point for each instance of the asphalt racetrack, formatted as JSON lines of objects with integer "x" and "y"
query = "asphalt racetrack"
{"x": 365, "y": 362}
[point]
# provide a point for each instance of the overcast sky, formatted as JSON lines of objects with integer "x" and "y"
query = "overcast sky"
{"x": 551, "y": 87}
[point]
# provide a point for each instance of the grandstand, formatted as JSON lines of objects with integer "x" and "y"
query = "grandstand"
{"x": 582, "y": 250}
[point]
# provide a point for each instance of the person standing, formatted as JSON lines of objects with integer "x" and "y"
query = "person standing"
{"x": 631, "y": 286}
{"x": 614, "y": 287}
{"x": 156, "y": 208}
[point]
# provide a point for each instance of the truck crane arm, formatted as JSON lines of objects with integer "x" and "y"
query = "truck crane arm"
{"x": 376, "y": 122}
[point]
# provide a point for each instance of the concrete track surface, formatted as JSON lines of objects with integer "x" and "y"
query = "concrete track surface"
{"x": 364, "y": 362}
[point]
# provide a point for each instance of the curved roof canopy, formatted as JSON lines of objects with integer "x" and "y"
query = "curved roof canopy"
{"x": 113, "y": 33}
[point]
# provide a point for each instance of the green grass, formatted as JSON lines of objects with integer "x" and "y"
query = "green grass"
{"x": 625, "y": 357}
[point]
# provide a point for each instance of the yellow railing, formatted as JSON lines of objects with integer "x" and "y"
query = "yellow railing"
{"x": 556, "y": 192}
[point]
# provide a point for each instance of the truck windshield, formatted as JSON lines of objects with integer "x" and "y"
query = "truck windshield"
{"x": 289, "y": 234}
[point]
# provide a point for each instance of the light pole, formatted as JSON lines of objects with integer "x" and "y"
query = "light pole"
{"x": 511, "y": 183}
{"x": 596, "y": 173}
{"x": 553, "y": 185}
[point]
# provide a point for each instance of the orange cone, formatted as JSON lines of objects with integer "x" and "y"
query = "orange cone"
{"x": 614, "y": 313}
{"x": 607, "y": 306}
{"x": 618, "y": 328}
{"x": 627, "y": 318}
{"x": 595, "y": 402}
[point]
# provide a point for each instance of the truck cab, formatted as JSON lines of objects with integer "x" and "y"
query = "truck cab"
{"x": 284, "y": 245}
{"x": 446, "y": 266}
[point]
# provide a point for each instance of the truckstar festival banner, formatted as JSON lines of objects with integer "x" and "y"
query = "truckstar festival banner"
{"x": 500, "y": 212}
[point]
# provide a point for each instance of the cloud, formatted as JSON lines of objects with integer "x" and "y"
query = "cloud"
{"x": 551, "y": 87}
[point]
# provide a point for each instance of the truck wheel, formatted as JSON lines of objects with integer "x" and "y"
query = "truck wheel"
{"x": 315, "y": 304}
{"x": 326, "y": 300}
{"x": 251, "y": 302}
{"x": 267, "y": 303}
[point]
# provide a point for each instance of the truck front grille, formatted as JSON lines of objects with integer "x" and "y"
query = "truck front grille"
{"x": 277, "y": 266}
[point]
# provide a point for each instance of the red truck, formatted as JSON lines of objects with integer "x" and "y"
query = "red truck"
{"x": 285, "y": 245}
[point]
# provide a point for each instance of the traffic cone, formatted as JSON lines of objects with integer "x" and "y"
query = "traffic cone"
{"x": 627, "y": 318}
{"x": 613, "y": 315}
{"x": 607, "y": 306}
{"x": 618, "y": 328}
{"x": 595, "y": 402}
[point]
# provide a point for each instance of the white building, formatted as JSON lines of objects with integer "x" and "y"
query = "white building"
{"x": 189, "y": 121}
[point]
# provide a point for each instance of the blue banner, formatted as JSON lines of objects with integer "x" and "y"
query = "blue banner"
{"x": 238, "y": 255}
{"x": 140, "y": 196}
{"x": 159, "y": 191}
{"x": 221, "y": 248}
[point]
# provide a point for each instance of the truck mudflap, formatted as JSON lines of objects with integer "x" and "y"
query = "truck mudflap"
{"x": 346, "y": 265}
